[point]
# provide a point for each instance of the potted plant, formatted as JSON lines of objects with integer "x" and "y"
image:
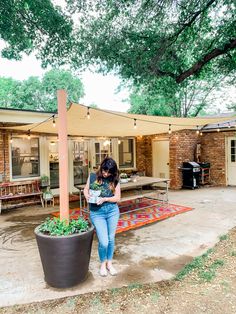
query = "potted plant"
{"x": 95, "y": 191}
{"x": 64, "y": 244}
{"x": 47, "y": 195}
{"x": 44, "y": 181}
{"x": 65, "y": 249}
{"x": 123, "y": 177}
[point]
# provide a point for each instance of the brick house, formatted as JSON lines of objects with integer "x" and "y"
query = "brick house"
{"x": 159, "y": 155}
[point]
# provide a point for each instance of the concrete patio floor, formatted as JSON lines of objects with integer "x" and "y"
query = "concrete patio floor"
{"x": 148, "y": 254}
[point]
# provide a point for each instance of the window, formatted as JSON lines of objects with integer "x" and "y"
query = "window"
{"x": 25, "y": 157}
{"x": 233, "y": 150}
{"x": 53, "y": 163}
{"x": 102, "y": 149}
{"x": 126, "y": 153}
{"x": 80, "y": 162}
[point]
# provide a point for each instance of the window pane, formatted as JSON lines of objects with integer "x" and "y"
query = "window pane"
{"x": 25, "y": 157}
{"x": 80, "y": 157}
{"x": 233, "y": 150}
{"x": 53, "y": 163}
{"x": 126, "y": 153}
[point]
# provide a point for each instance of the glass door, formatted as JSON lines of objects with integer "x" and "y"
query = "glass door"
{"x": 80, "y": 162}
{"x": 100, "y": 150}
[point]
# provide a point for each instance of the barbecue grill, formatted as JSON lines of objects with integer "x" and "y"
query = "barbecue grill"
{"x": 191, "y": 174}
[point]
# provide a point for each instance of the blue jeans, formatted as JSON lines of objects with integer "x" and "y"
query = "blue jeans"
{"x": 105, "y": 222}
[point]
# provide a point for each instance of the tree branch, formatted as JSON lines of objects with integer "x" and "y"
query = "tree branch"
{"x": 207, "y": 58}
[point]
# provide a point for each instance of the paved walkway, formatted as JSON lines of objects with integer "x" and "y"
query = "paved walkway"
{"x": 152, "y": 253}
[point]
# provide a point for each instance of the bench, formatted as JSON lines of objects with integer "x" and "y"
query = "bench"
{"x": 10, "y": 191}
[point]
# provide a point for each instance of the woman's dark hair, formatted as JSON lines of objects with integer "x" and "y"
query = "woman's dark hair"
{"x": 109, "y": 164}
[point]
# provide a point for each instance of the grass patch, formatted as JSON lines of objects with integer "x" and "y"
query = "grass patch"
{"x": 155, "y": 296}
{"x": 197, "y": 263}
{"x": 223, "y": 237}
{"x": 233, "y": 253}
{"x": 134, "y": 285}
{"x": 210, "y": 272}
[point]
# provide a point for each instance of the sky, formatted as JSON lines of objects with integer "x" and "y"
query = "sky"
{"x": 99, "y": 89}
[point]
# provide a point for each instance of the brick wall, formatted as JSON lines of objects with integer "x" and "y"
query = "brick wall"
{"x": 182, "y": 148}
{"x": 213, "y": 146}
{"x": 4, "y": 156}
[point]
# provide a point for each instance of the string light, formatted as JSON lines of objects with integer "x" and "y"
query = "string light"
{"x": 169, "y": 129}
{"x": 229, "y": 125}
{"x": 11, "y": 139}
{"x": 88, "y": 113}
{"x": 29, "y": 135}
{"x": 135, "y": 123}
{"x": 197, "y": 132}
{"x": 201, "y": 133}
{"x": 218, "y": 129}
{"x": 53, "y": 121}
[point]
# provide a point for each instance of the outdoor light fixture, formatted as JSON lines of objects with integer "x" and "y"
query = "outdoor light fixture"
{"x": 29, "y": 135}
{"x": 218, "y": 129}
{"x": 88, "y": 113}
{"x": 119, "y": 141}
{"x": 53, "y": 121}
{"x": 197, "y": 132}
{"x": 52, "y": 143}
{"x": 135, "y": 124}
{"x": 169, "y": 129}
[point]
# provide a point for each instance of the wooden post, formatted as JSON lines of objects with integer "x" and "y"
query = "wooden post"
{"x": 63, "y": 155}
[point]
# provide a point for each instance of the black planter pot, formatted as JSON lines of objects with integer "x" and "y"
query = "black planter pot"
{"x": 65, "y": 259}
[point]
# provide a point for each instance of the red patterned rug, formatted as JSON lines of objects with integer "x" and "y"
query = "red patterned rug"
{"x": 149, "y": 211}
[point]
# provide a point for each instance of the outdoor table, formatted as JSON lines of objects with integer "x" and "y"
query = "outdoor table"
{"x": 137, "y": 183}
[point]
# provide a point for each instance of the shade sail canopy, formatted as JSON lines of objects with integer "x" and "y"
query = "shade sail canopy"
{"x": 115, "y": 124}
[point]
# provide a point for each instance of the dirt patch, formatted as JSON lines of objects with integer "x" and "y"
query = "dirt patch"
{"x": 207, "y": 285}
{"x": 170, "y": 265}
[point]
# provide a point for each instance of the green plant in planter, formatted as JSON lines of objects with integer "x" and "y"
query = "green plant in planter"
{"x": 57, "y": 227}
{"x": 96, "y": 186}
{"x": 123, "y": 175}
{"x": 47, "y": 195}
{"x": 65, "y": 249}
{"x": 44, "y": 180}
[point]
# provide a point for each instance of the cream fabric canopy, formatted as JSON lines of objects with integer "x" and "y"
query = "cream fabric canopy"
{"x": 116, "y": 124}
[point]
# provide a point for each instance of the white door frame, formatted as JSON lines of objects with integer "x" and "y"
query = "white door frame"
{"x": 164, "y": 139}
{"x": 227, "y": 157}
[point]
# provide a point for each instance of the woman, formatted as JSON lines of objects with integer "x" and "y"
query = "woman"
{"x": 105, "y": 213}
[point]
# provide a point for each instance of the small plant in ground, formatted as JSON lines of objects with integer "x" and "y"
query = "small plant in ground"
{"x": 233, "y": 253}
{"x": 223, "y": 237}
{"x": 134, "y": 285}
{"x": 155, "y": 296}
{"x": 197, "y": 263}
{"x": 210, "y": 273}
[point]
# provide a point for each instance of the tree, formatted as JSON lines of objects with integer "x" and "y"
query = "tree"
{"x": 8, "y": 91}
{"x": 36, "y": 94}
{"x": 190, "y": 98}
{"x": 28, "y": 25}
{"x": 146, "y": 39}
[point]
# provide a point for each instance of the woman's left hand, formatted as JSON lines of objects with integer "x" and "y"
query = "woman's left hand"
{"x": 101, "y": 200}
